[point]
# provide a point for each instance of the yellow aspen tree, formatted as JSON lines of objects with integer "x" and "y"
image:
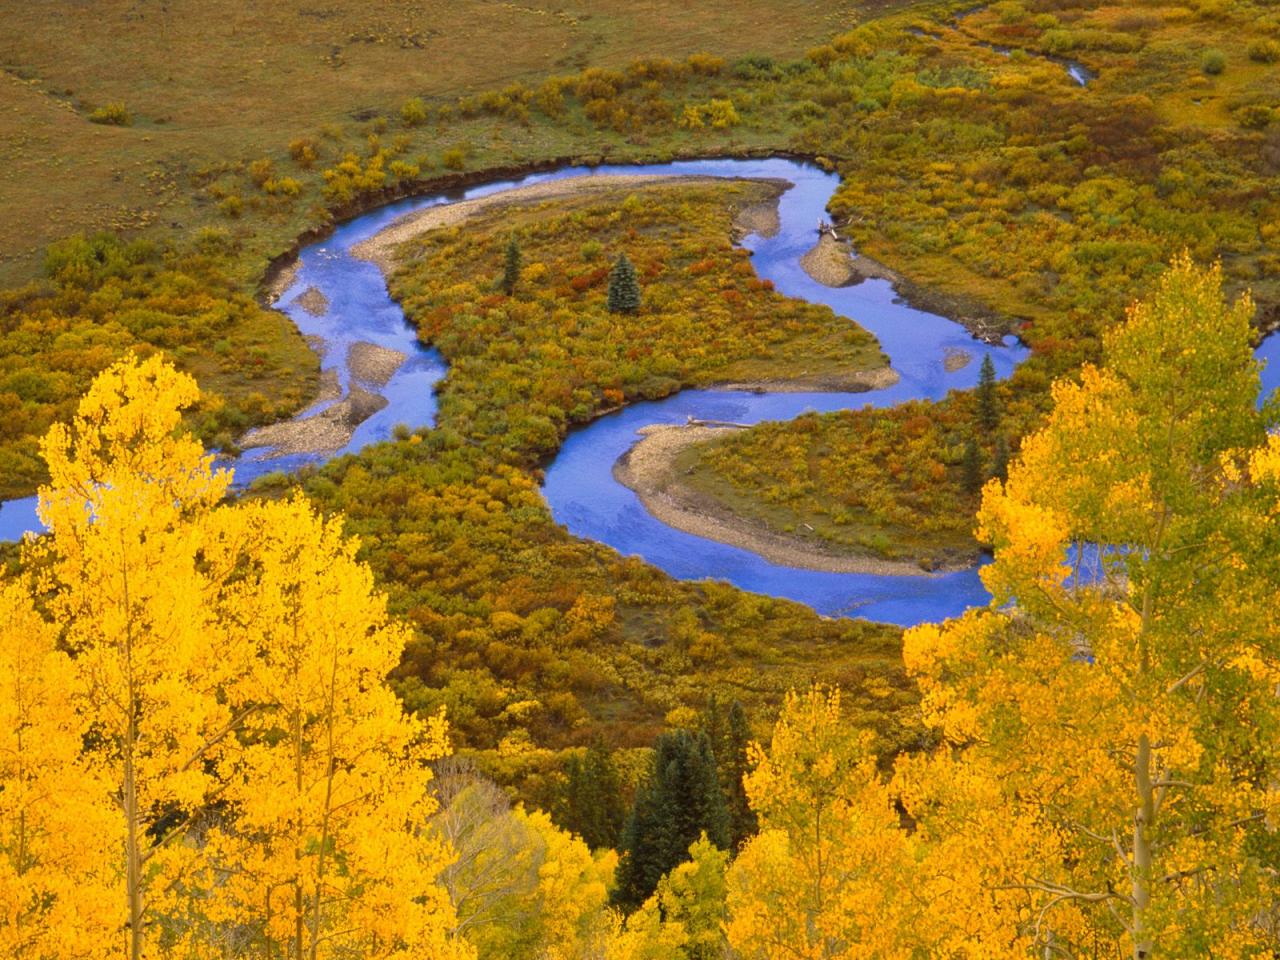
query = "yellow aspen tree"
{"x": 685, "y": 917}
{"x": 827, "y": 875}
{"x": 327, "y": 855}
{"x": 572, "y": 890}
{"x": 524, "y": 889}
{"x": 226, "y": 665}
{"x": 60, "y": 886}
{"x": 1126, "y": 696}
{"x": 972, "y": 844}
{"x": 129, "y": 596}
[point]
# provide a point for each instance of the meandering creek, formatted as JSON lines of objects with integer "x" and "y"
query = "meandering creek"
{"x": 580, "y": 488}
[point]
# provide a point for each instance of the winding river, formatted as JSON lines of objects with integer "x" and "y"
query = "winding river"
{"x": 580, "y": 488}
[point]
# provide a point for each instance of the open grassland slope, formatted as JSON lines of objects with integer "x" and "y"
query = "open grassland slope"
{"x": 202, "y": 84}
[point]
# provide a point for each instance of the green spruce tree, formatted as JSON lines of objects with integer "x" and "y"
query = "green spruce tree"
{"x": 678, "y": 800}
{"x": 624, "y": 288}
{"x": 1000, "y": 459}
{"x": 971, "y": 467}
{"x": 729, "y": 734}
{"x": 593, "y": 807}
{"x": 511, "y": 267}
{"x": 988, "y": 403}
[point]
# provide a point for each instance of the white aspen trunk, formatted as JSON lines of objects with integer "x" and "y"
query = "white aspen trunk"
{"x": 1142, "y": 854}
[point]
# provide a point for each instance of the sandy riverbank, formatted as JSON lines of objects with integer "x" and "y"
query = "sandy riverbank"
{"x": 374, "y": 364}
{"x": 839, "y": 381}
{"x": 314, "y": 302}
{"x": 381, "y": 247}
{"x": 833, "y": 263}
{"x": 648, "y": 469}
{"x": 321, "y": 433}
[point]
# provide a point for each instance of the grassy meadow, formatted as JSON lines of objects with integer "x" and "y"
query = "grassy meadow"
{"x": 213, "y": 86}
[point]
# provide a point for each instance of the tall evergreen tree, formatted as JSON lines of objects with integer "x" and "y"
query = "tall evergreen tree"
{"x": 511, "y": 268}
{"x": 678, "y": 801}
{"x": 624, "y": 288}
{"x": 1000, "y": 459}
{"x": 988, "y": 404}
{"x": 729, "y": 734}
{"x": 593, "y": 807}
{"x": 971, "y": 466}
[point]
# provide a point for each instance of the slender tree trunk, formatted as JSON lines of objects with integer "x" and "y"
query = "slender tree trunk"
{"x": 330, "y": 763}
{"x": 133, "y": 848}
{"x": 132, "y": 851}
{"x": 1142, "y": 855}
{"x": 298, "y": 909}
{"x": 299, "y": 912}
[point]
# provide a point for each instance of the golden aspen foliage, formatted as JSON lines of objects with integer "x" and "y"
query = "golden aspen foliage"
{"x": 850, "y": 863}
{"x": 132, "y": 603}
{"x": 828, "y": 876}
{"x": 60, "y": 886}
{"x": 572, "y": 891}
{"x": 326, "y": 852}
{"x": 251, "y": 782}
{"x": 523, "y": 888}
{"x": 685, "y": 917}
{"x": 1119, "y": 697}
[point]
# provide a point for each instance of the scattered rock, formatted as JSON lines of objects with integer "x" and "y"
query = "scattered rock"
{"x": 330, "y": 387}
{"x": 953, "y": 359}
{"x": 373, "y": 364}
{"x": 321, "y": 433}
{"x": 314, "y": 302}
{"x": 759, "y": 218}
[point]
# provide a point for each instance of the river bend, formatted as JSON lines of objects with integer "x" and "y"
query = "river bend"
{"x": 580, "y": 488}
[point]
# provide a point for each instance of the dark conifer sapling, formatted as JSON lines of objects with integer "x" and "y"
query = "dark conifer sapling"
{"x": 511, "y": 268}
{"x": 624, "y": 288}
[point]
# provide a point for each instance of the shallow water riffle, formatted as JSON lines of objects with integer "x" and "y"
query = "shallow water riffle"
{"x": 580, "y": 488}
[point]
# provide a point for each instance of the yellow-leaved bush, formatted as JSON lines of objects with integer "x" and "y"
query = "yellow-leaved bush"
{"x": 201, "y": 757}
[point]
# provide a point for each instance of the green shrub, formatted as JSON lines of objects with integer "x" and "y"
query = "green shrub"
{"x": 112, "y": 114}
{"x": 1213, "y": 62}
{"x": 414, "y": 112}
{"x": 455, "y": 158}
{"x": 1256, "y": 116}
{"x": 1264, "y": 50}
{"x": 304, "y": 152}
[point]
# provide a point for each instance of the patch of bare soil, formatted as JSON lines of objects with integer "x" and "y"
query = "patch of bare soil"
{"x": 833, "y": 263}
{"x": 325, "y": 432}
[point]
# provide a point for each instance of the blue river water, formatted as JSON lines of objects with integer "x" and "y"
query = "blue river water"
{"x": 580, "y": 488}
